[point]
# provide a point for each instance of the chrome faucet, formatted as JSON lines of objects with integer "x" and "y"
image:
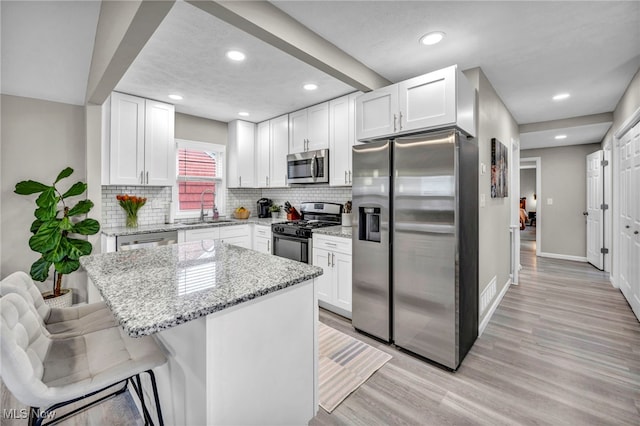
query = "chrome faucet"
{"x": 213, "y": 210}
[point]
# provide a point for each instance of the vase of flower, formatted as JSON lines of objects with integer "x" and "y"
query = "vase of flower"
{"x": 131, "y": 204}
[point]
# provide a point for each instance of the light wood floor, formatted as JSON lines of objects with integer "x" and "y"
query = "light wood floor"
{"x": 562, "y": 348}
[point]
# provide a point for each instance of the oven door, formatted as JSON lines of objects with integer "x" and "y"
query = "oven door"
{"x": 294, "y": 248}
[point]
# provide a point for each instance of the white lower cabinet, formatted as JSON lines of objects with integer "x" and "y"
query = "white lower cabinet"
{"x": 262, "y": 239}
{"x": 333, "y": 255}
{"x": 237, "y": 235}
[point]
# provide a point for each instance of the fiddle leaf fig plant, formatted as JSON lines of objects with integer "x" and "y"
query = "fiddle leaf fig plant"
{"x": 53, "y": 229}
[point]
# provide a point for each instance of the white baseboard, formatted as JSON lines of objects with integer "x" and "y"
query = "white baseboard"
{"x": 563, "y": 257}
{"x": 492, "y": 308}
{"x": 612, "y": 280}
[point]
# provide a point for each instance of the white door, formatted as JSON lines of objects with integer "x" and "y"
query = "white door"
{"x": 298, "y": 131}
{"x": 318, "y": 127}
{"x": 324, "y": 283}
{"x": 159, "y": 144}
{"x": 634, "y": 195}
{"x": 343, "y": 276}
{"x": 263, "y": 148}
{"x": 279, "y": 151}
{"x": 377, "y": 113}
{"x": 126, "y": 166}
{"x": 515, "y": 211}
{"x": 427, "y": 101}
{"x": 594, "y": 212}
{"x": 339, "y": 142}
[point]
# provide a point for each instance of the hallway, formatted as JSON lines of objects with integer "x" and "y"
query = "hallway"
{"x": 563, "y": 347}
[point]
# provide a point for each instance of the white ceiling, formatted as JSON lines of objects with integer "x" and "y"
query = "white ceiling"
{"x": 528, "y": 50}
{"x": 47, "y": 47}
{"x": 578, "y": 135}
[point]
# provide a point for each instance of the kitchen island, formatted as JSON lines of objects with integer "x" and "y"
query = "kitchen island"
{"x": 239, "y": 328}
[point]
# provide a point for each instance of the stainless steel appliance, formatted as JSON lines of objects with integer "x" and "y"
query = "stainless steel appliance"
{"x": 293, "y": 239}
{"x": 308, "y": 167}
{"x": 415, "y": 243}
{"x": 152, "y": 239}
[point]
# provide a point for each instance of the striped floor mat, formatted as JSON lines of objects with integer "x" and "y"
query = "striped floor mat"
{"x": 345, "y": 364}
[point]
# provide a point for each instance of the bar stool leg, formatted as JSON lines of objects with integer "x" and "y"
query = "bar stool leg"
{"x": 155, "y": 396}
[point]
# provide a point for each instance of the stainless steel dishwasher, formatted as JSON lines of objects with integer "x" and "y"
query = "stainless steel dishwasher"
{"x": 152, "y": 239}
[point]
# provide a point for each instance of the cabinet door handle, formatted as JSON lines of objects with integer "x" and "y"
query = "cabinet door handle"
{"x": 333, "y": 260}
{"x": 394, "y": 123}
{"x": 345, "y": 176}
{"x": 141, "y": 178}
{"x": 328, "y": 259}
{"x": 147, "y": 178}
{"x": 268, "y": 246}
{"x": 240, "y": 180}
{"x": 400, "y": 120}
{"x": 267, "y": 179}
{"x": 349, "y": 176}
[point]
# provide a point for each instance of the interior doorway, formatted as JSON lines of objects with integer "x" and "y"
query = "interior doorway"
{"x": 530, "y": 207}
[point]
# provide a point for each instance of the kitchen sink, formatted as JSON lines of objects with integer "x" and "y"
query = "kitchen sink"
{"x": 205, "y": 223}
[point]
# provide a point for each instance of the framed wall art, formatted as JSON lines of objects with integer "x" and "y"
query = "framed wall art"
{"x": 499, "y": 169}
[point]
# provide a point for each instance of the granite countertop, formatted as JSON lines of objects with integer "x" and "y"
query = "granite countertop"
{"x": 335, "y": 231}
{"x": 154, "y": 289}
{"x": 164, "y": 227}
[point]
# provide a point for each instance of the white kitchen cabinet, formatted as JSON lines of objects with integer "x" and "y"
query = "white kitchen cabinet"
{"x": 438, "y": 99}
{"x": 279, "y": 150}
{"x": 241, "y": 154}
{"x": 263, "y": 154}
{"x": 342, "y": 137}
{"x": 262, "y": 239}
{"x": 309, "y": 129}
{"x": 141, "y": 142}
{"x": 272, "y": 147}
{"x": 237, "y": 235}
{"x": 333, "y": 255}
{"x": 200, "y": 234}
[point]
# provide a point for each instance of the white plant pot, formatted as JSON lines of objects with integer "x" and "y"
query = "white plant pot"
{"x": 63, "y": 301}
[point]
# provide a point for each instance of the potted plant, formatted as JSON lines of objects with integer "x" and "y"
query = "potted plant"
{"x": 275, "y": 210}
{"x": 55, "y": 224}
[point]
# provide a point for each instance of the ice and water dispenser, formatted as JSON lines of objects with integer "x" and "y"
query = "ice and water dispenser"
{"x": 369, "y": 224}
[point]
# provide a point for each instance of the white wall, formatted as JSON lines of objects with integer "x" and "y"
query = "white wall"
{"x": 562, "y": 224}
{"x": 494, "y": 121}
{"x": 39, "y": 139}
{"x": 528, "y": 187}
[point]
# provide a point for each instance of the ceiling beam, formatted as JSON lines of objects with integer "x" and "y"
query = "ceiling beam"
{"x": 266, "y": 22}
{"x": 124, "y": 27}
{"x": 585, "y": 120}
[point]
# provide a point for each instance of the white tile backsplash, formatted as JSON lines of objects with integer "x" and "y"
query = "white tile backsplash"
{"x": 158, "y": 199}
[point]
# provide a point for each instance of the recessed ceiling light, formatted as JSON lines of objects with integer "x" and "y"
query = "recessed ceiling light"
{"x": 236, "y": 55}
{"x": 434, "y": 37}
{"x": 561, "y": 137}
{"x": 243, "y": 114}
{"x": 175, "y": 97}
{"x": 310, "y": 86}
{"x": 561, "y": 96}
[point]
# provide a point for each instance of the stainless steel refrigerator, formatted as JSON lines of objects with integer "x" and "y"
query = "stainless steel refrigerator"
{"x": 415, "y": 243}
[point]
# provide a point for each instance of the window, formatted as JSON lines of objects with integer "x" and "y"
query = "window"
{"x": 200, "y": 167}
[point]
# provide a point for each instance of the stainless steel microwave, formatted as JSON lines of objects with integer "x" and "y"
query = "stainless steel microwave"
{"x": 308, "y": 167}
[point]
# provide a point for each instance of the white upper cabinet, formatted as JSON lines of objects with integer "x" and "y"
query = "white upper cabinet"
{"x": 263, "y": 149}
{"x": 279, "y": 151}
{"x": 342, "y": 137}
{"x": 272, "y": 147}
{"x": 441, "y": 98}
{"x": 309, "y": 129}
{"x": 141, "y": 142}
{"x": 241, "y": 154}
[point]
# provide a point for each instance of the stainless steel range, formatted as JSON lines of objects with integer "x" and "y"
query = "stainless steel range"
{"x": 293, "y": 239}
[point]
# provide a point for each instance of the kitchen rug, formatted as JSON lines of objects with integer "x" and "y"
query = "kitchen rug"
{"x": 344, "y": 364}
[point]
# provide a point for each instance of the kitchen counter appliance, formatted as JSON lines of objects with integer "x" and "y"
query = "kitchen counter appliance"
{"x": 308, "y": 167}
{"x": 264, "y": 204}
{"x": 293, "y": 239}
{"x": 415, "y": 243}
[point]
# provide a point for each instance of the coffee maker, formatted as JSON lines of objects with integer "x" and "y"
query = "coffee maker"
{"x": 263, "y": 207}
